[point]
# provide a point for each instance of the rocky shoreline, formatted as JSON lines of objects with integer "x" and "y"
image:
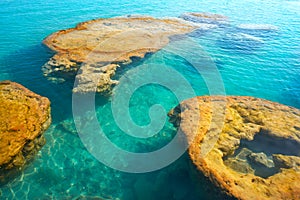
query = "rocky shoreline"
{"x": 24, "y": 117}
{"x": 256, "y": 151}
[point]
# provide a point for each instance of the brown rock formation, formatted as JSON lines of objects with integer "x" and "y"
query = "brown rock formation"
{"x": 255, "y": 151}
{"x": 24, "y": 116}
{"x": 101, "y": 45}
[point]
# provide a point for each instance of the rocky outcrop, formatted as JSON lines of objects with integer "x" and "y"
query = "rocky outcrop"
{"x": 209, "y": 18}
{"x": 98, "y": 47}
{"x": 24, "y": 116}
{"x": 248, "y": 147}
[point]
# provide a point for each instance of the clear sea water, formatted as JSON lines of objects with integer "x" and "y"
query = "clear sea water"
{"x": 267, "y": 66}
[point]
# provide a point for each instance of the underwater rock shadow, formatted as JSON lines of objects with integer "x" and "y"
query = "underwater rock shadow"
{"x": 239, "y": 43}
{"x": 245, "y": 41}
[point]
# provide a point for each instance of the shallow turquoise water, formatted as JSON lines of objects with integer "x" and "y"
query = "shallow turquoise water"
{"x": 267, "y": 66}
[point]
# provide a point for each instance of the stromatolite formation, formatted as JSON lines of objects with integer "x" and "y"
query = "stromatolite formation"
{"x": 24, "y": 116}
{"x": 210, "y": 18}
{"x": 99, "y": 47}
{"x": 255, "y": 153}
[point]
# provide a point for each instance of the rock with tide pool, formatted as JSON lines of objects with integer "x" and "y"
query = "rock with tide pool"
{"x": 227, "y": 134}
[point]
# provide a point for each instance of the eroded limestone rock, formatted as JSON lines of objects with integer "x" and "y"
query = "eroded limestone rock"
{"x": 205, "y": 18}
{"x": 98, "y": 47}
{"x": 24, "y": 116}
{"x": 283, "y": 161}
{"x": 261, "y": 159}
{"x": 268, "y": 129}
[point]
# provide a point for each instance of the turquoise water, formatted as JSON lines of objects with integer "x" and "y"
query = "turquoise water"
{"x": 266, "y": 65}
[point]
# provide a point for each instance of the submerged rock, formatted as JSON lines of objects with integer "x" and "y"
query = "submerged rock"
{"x": 209, "y": 18}
{"x": 24, "y": 116}
{"x": 261, "y": 159}
{"x": 283, "y": 161}
{"x": 98, "y": 47}
{"x": 259, "y": 27}
{"x": 218, "y": 147}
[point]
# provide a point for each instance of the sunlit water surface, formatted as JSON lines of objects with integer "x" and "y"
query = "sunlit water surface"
{"x": 258, "y": 63}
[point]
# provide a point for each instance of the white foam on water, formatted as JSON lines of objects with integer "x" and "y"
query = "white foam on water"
{"x": 205, "y": 26}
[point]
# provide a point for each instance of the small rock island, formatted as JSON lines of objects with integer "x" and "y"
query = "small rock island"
{"x": 98, "y": 47}
{"x": 249, "y": 147}
{"x": 24, "y": 117}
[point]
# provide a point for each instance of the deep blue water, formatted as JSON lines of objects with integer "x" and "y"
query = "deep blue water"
{"x": 260, "y": 63}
